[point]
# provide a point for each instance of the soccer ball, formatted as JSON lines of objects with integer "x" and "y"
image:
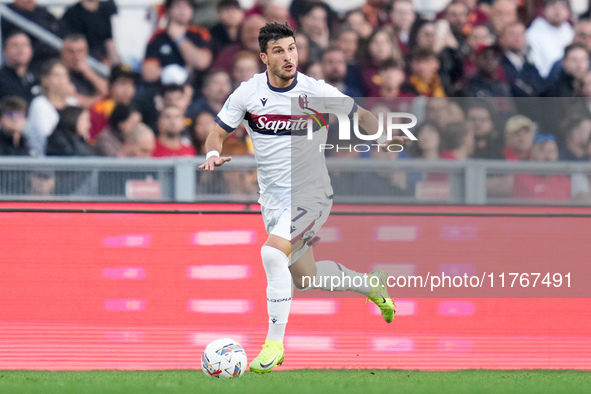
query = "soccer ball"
{"x": 223, "y": 358}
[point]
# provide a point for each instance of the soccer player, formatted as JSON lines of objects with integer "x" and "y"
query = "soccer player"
{"x": 265, "y": 103}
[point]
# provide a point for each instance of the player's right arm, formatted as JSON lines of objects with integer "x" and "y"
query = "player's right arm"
{"x": 213, "y": 146}
{"x": 228, "y": 119}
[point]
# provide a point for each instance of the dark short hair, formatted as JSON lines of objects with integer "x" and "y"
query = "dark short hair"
{"x": 572, "y": 47}
{"x": 12, "y": 104}
{"x": 274, "y": 31}
{"x": 13, "y": 33}
{"x": 120, "y": 113}
{"x": 170, "y": 3}
{"x": 47, "y": 67}
{"x": 391, "y": 63}
{"x": 422, "y": 54}
{"x": 69, "y": 118}
{"x": 75, "y": 37}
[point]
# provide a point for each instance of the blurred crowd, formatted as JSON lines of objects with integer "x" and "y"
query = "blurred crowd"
{"x": 526, "y": 62}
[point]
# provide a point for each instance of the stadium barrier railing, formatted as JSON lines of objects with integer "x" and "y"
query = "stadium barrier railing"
{"x": 355, "y": 181}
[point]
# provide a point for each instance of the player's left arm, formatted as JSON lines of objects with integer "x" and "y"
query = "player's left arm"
{"x": 369, "y": 123}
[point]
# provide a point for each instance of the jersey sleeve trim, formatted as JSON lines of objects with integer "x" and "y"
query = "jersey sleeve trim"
{"x": 223, "y": 125}
{"x": 353, "y": 110}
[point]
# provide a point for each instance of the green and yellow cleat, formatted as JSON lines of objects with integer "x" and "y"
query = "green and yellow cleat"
{"x": 271, "y": 356}
{"x": 379, "y": 295}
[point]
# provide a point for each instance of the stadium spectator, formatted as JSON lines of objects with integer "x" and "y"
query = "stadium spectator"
{"x": 227, "y": 30}
{"x": 249, "y": 40}
{"x": 179, "y": 43}
{"x": 92, "y": 18}
{"x": 57, "y": 92}
{"x": 90, "y": 87}
{"x": 423, "y": 66}
{"x": 583, "y": 37}
{"x": 502, "y": 14}
{"x": 313, "y": 23}
{"x": 216, "y": 89}
{"x": 302, "y": 45}
{"x": 334, "y": 70}
{"x": 15, "y": 77}
{"x": 575, "y": 65}
{"x": 457, "y": 142}
{"x": 202, "y": 126}
{"x": 479, "y": 36}
{"x": 488, "y": 141}
{"x": 577, "y": 132}
{"x": 476, "y": 15}
{"x": 375, "y": 12}
{"x": 521, "y": 74}
{"x": 171, "y": 125}
{"x": 347, "y": 41}
{"x": 423, "y": 37}
{"x": 123, "y": 119}
{"x": 456, "y": 14}
{"x": 553, "y": 187}
{"x": 519, "y": 137}
{"x": 392, "y": 81}
{"x": 381, "y": 47}
{"x": 13, "y": 116}
{"x": 278, "y": 13}
{"x": 360, "y": 23}
{"x": 174, "y": 89}
{"x": 485, "y": 81}
{"x": 70, "y": 137}
{"x": 547, "y": 36}
{"x": 428, "y": 145}
{"x": 245, "y": 67}
{"x": 314, "y": 70}
{"x": 122, "y": 83}
{"x": 403, "y": 17}
{"x": 140, "y": 142}
{"x": 41, "y": 16}
{"x": 41, "y": 183}
{"x": 586, "y": 93}
{"x": 298, "y": 7}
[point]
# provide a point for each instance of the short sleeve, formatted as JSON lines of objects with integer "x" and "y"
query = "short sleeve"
{"x": 152, "y": 50}
{"x": 338, "y": 100}
{"x": 233, "y": 111}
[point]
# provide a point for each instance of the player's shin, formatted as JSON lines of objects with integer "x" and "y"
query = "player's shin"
{"x": 332, "y": 276}
{"x": 279, "y": 290}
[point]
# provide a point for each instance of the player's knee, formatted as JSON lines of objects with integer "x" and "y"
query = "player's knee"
{"x": 273, "y": 259}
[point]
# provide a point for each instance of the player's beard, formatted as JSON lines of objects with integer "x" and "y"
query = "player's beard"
{"x": 281, "y": 73}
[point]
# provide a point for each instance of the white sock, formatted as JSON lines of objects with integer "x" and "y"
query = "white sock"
{"x": 279, "y": 290}
{"x": 333, "y": 276}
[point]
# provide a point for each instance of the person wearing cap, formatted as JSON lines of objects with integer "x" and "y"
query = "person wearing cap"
{"x": 122, "y": 84}
{"x": 179, "y": 43}
{"x": 549, "y": 34}
{"x": 519, "y": 137}
{"x": 92, "y": 18}
{"x": 485, "y": 82}
{"x": 227, "y": 30}
{"x": 173, "y": 89}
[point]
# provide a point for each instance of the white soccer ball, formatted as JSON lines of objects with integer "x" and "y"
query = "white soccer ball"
{"x": 223, "y": 358}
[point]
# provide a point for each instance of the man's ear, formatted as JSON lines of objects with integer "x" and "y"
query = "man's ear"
{"x": 264, "y": 58}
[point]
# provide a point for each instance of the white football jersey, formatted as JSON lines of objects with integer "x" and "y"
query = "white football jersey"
{"x": 286, "y": 160}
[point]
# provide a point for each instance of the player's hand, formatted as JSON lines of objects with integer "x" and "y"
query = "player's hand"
{"x": 214, "y": 161}
{"x": 398, "y": 139}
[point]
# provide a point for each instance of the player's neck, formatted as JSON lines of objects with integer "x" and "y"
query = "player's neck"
{"x": 279, "y": 83}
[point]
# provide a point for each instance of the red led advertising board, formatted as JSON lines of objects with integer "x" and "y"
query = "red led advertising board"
{"x": 91, "y": 286}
